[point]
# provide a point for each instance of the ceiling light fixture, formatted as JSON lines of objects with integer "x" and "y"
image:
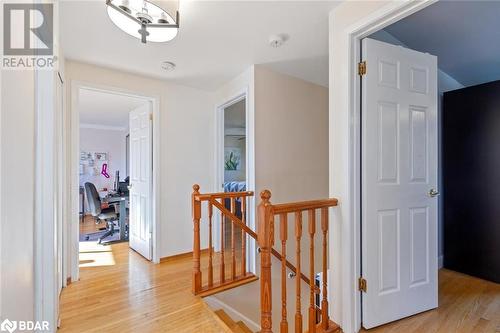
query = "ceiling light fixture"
{"x": 145, "y": 20}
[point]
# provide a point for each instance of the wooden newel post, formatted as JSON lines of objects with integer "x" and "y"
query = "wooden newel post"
{"x": 196, "y": 204}
{"x": 265, "y": 238}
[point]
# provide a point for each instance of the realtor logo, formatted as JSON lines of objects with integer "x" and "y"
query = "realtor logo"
{"x": 28, "y": 29}
{"x": 8, "y": 326}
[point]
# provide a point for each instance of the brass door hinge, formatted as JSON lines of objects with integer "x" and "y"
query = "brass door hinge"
{"x": 151, "y": 116}
{"x": 362, "y": 68}
{"x": 362, "y": 284}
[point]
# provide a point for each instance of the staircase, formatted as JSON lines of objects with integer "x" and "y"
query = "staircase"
{"x": 237, "y": 327}
{"x": 227, "y": 268}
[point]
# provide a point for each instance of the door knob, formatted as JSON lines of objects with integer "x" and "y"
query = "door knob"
{"x": 129, "y": 187}
{"x": 433, "y": 193}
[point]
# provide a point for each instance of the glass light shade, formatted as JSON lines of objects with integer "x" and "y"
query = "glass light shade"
{"x": 157, "y": 32}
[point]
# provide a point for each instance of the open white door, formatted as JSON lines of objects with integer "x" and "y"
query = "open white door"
{"x": 399, "y": 179}
{"x": 140, "y": 219}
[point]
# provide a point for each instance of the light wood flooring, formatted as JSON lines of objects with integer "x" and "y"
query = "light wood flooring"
{"x": 119, "y": 291}
{"x": 466, "y": 305}
{"x": 129, "y": 294}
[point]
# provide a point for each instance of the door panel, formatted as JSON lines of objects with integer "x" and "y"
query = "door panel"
{"x": 140, "y": 223}
{"x": 399, "y": 167}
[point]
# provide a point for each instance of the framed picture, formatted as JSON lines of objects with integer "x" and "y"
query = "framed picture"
{"x": 100, "y": 156}
{"x": 232, "y": 159}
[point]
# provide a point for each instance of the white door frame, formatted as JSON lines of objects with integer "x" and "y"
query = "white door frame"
{"x": 345, "y": 237}
{"x": 73, "y": 164}
{"x": 250, "y": 165}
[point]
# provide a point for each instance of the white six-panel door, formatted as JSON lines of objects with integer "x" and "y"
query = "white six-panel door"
{"x": 399, "y": 169}
{"x": 140, "y": 218}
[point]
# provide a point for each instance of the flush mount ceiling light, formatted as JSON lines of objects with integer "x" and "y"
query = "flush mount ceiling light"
{"x": 145, "y": 19}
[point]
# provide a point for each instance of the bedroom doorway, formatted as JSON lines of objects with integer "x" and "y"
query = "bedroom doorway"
{"x": 234, "y": 167}
{"x": 234, "y": 173}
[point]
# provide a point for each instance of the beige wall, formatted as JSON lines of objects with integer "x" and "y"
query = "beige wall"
{"x": 291, "y": 160}
{"x": 186, "y": 144}
{"x": 291, "y": 137}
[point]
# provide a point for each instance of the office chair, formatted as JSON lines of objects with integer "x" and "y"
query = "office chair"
{"x": 108, "y": 214}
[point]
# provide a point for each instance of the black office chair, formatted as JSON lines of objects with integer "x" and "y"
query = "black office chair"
{"x": 108, "y": 215}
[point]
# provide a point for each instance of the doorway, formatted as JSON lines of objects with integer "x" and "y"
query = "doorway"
{"x": 114, "y": 196}
{"x": 234, "y": 170}
{"x": 421, "y": 217}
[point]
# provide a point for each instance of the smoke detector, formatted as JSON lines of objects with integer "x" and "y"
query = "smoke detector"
{"x": 168, "y": 66}
{"x": 277, "y": 40}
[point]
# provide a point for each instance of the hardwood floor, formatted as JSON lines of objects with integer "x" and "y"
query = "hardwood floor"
{"x": 129, "y": 294}
{"x": 119, "y": 291}
{"x": 88, "y": 225}
{"x": 466, "y": 305}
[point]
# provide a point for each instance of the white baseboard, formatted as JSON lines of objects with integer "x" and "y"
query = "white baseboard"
{"x": 216, "y": 304}
{"x": 440, "y": 262}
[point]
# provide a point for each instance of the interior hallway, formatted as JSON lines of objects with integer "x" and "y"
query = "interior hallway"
{"x": 126, "y": 293}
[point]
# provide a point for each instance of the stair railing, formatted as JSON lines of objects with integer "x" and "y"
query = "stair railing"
{"x": 230, "y": 275}
{"x": 266, "y": 214}
{"x": 219, "y": 203}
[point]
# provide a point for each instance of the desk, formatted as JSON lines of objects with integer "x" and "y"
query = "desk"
{"x": 122, "y": 201}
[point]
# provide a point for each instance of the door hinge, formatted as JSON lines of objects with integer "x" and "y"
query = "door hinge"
{"x": 151, "y": 116}
{"x": 362, "y": 284}
{"x": 362, "y": 68}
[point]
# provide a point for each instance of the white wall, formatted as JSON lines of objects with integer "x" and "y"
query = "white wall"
{"x": 107, "y": 141}
{"x": 291, "y": 160}
{"x": 17, "y": 195}
{"x": 186, "y": 137}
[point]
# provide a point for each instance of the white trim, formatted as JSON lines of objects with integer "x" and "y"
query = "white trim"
{"x": 103, "y": 127}
{"x": 346, "y": 235}
{"x": 75, "y": 87}
{"x": 216, "y": 304}
{"x": 242, "y": 94}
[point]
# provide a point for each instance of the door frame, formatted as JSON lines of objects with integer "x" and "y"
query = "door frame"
{"x": 250, "y": 164}
{"x": 345, "y": 252}
{"x": 73, "y": 163}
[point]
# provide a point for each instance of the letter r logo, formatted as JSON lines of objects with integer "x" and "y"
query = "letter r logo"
{"x": 28, "y": 29}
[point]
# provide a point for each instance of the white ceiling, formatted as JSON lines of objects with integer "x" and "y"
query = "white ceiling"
{"x": 105, "y": 110}
{"x": 217, "y": 40}
{"x": 464, "y": 35}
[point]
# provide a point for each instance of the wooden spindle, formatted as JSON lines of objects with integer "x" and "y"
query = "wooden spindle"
{"x": 312, "y": 279}
{"x": 196, "y": 204}
{"x": 233, "y": 244}
{"x": 265, "y": 237}
{"x": 283, "y": 237}
{"x": 223, "y": 245}
{"x": 243, "y": 237}
{"x": 210, "y": 247}
{"x": 298, "y": 282}
{"x": 325, "y": 320}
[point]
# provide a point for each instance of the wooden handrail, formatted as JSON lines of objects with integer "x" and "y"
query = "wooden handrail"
{"x": 318, "y": 319}
{"x": 303, "y": 206}
{"x": 252, "y": 234}
{"x": 222, "y": 195}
